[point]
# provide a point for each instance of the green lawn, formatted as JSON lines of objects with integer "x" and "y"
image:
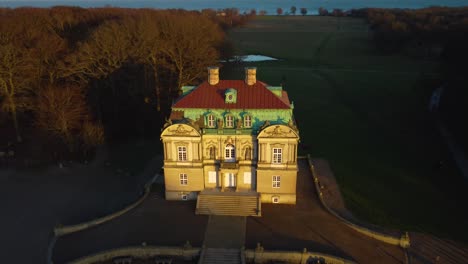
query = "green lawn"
{"x": 365, "y": 112}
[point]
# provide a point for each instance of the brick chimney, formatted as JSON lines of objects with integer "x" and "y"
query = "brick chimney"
{"x": 213, "y": 75}
{"x": 250, "y": 75}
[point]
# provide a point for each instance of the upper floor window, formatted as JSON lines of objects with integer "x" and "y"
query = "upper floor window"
{"x": 277, "y": 155}
{"x": 276, "y": 181}
{"x": 229, "y": 121}
{"x": 247, "y": 121}
{"x": 230, "y": 153}
{"x": 183, "y": 179}
{"x": 182, "y": 153}
{"x": 211, "y": 121}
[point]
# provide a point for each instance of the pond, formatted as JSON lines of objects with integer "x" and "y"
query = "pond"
{"x": 253, "y": 58}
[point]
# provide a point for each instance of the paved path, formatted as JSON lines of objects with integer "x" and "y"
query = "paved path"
{"x": 35, "y": 200}
{"x": 282, "y": 227}
{"x": 424, "y": 248}
{"x": 308, "y": 225}
{"x": 225, "y": 232}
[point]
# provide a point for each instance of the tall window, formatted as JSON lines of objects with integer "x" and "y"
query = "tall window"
{"x": 276, "y": 181}
{"x": 230, "y": 153}
{"x": 229, "y": 121}
{"x": 182, "y": 153}
{"x": 183, "y": 179}
{"x": 211, "y": 121}
{"x": 247, "y": 121}
{"x": 277, "y": 155}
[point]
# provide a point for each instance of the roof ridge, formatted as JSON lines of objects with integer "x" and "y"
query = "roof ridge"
{"x": 256, "y": 96}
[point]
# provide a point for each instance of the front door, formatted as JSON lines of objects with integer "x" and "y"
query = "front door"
{"x": 229, "y": 180}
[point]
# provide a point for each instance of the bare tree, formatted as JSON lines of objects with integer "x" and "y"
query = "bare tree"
{"x": 189, "y": 43}
{"x": 61, "y": 111}
{"x": 15, "y": 88}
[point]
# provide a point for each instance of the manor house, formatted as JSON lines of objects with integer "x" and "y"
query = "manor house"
{"x": 231, "y": 145}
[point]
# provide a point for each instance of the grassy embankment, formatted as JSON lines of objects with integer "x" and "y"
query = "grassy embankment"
{"x": 365, "y": 112}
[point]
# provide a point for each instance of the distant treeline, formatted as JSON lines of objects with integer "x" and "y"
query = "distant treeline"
{"x": 80, "y": 76}
{"x": 424, "y": 32}
{"x": 439, "y": 33}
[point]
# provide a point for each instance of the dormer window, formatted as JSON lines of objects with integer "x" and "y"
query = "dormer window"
{"x": 211, "y": 121}
{"x": 230, "y": 96}
{"x": 229, "y": 121}
{"x": 247, "y": 121}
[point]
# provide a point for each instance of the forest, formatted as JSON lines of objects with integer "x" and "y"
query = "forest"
{"x": 73, "y": 78}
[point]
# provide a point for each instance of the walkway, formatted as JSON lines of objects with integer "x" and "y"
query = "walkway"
{"x": 281, "y": 227}
{"x": 224, "y": 237}
{"x": 225, "y": 232}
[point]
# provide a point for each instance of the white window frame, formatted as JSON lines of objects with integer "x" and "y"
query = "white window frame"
{"x": 277, "y": 157}
{"x": 247, "y": 177}
{"x": 182, "y": 153}
{"x": 211, "y": 121}
{"x": 247, "y": 121}
{"x": 230, "y": 152}
{"x": 229, "y": 121}
{"x": 183, "y": 179}
{"x": 212, "y": 176}
{"x": 276, "y": 181}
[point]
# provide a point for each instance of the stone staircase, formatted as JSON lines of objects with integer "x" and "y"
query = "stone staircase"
{"x": 430, "y": 249}
{"x": 220, "y": 255}
{"x": 228, "y": 203}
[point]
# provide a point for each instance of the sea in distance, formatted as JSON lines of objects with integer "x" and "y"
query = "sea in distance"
{"x": 269, "y": 6}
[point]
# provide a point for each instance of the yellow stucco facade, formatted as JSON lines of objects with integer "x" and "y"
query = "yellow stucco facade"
{"x": 257, "y": 155}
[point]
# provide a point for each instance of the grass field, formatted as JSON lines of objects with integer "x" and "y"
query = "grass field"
{"x": 365, "y": 112}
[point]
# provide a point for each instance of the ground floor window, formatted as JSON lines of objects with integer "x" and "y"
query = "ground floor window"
{"x": 183, "y": 179}
{"x": 276, "y": 181}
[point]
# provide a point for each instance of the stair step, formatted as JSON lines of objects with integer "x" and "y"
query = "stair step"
{"x": 221, "y": 255}
{"x": 228, "y": 204}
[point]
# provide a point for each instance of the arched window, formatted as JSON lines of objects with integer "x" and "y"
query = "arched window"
{"x": 211, "y": 121}
{"x": 248, "y": 153}
{"x": 230, "y": 153}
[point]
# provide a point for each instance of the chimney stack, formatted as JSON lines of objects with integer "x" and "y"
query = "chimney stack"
{"x": 213, "y": 75}
{"x": 250, "y": 75}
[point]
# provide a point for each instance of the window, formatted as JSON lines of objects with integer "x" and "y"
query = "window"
{"x": 247, "y": 177}
{"x": 229, "y": 121}
{"x": 247, "y": 121}
{"x": 230, "y": 153}
{"x": 276, "y": 181}
{"x": 212, "y": 175}
{"x": 277, "y": 155}
{"x": 211, "y": 121}
{"x": 183, "y": 179}
{"x": 182, "y": 153}
{"x": 275, "y": 199}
